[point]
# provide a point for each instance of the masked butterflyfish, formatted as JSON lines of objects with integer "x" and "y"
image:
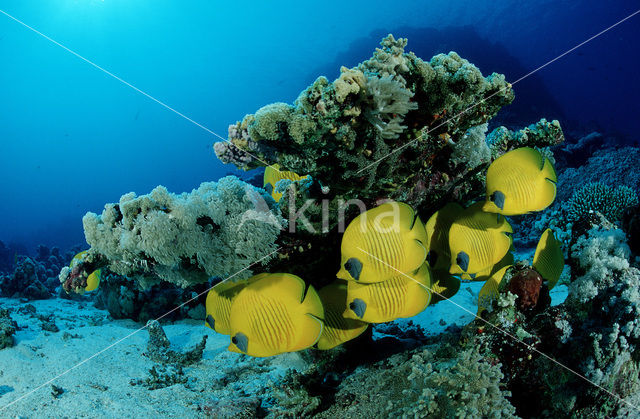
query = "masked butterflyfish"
{"x": 437, "y": 227}
{"x": 337, "y": 329}
{"x": 443, "y": 286}
{"x": 520, "y": 181}
{"x": 276, "y": 313}
{"x": 382, "y": 243}
{"x": 478, "y": 240}
{"x": 400, "y": 296}
{"x": 548, "y": 259}
{"x": 490, "y": 290}
{"x": 93, "y": 280}
{"x": 218, "y": 303}
{"x": 78, "y": 258}
{"x": 273, "y": 174}
{"x": 485, "y": 274}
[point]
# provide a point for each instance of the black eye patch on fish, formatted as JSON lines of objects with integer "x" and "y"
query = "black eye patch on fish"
{"x": 498, "y": 198}
{"x": 358, "y": 306}
{"x": 241, "y": 341}
{"x": 354, "y": 267}
{"x": 211, "y": 321}
{"x": 463, "y": 261}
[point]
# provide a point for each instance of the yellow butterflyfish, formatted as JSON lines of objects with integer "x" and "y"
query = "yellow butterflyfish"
{"x": 548, "y": 259}
{"x": 218, "y": 303}
{"x": 478, "y": 240}
{"x": 275, "y": 314}
{"x": 437, "y": 227}
{"x": 337, "y": 328}
{"x": 403, "y": 295}
{"x": 443, "y": 286}
{"x": 520, "y": 181}
{"x": 273, "y": 174}
{"x": 93, "y": 280}
{"x": 382, "y": 241}
{"x": 78, "y": 258}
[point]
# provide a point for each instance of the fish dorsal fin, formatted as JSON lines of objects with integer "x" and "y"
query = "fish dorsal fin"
{"x": 548, "y": 171}
{"x": 548, "y": 259}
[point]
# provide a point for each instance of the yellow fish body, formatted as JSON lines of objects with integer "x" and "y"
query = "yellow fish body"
{"x": 443, "y": 286}
{"x": 78, "y": 258}
{"x": 478, "y": 240}
{"x": 485, "y": 274}
{"x": 520, "y": 181}
{"x": 93, "y": 280}
{"x": 437, "y": 227}
{"x": 218, "y": 303}
{"x": 490, "y": 290}
{"x": 380, "y": 243}
{"x": 337, "y": 329}
{"x": 548, "y": 259}
{"x": 273, "y": 174}
{"x": 400, "y": 296}
{"x": 274, "y": 314}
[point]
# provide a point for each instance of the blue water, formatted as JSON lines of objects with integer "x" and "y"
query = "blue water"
{"x": 73, "y": 138}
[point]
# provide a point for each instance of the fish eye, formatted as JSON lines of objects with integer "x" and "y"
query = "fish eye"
{"x": 352, "y": 306}
{"x": 234, "y": 340}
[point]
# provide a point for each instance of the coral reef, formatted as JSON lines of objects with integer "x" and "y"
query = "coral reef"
{"x": 125, "y": 300}
{"x": 7, "y": 329}
{"x": 29, "y": 281}
{"x": 631, "y": 226}
{"x": 595, "y": 332}
{"x": 345, "y": 134}
{"x": 609, "y": 166}
{"x": 216, "y": 230}
{"x": 429, "y": 382}
{"x": 609, "y": 201}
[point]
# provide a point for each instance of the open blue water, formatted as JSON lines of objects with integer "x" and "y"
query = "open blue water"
{"x": 73, "y": 138}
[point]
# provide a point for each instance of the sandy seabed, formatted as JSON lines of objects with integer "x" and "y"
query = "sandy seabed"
{"x": 101, "y": 387}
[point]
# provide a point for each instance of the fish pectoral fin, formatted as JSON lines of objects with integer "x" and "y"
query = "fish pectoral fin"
{"x": 416, "y": 254}
{"x": 311, "y": 327}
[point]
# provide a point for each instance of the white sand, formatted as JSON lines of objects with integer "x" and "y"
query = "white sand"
{"x": 101, "y": 387}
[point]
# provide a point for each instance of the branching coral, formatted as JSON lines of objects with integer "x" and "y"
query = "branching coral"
{"x": 216, "y": 230}
{"x": 609, "y": 201}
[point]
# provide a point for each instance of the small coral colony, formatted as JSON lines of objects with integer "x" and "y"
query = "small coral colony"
{"x": 390, "y": 265}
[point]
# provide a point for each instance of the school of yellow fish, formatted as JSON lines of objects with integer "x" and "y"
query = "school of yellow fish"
{"x": 393, "y": 266}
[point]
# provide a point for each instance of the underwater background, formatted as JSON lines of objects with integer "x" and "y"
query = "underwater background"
{"x": 103, "y": 98}
{"x": 74, "y": 138}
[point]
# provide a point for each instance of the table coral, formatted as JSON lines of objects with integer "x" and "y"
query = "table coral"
{"x": 342, "y": 133}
